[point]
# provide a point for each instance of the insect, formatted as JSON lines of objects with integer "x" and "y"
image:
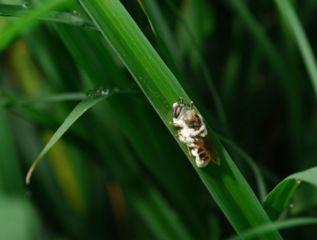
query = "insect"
{"x": 203, "y": 151}
{"x": 188, "y": 121}
{"x": 193, "y": 132}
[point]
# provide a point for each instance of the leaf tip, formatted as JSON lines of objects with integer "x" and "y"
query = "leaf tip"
{"x": 29, "y": 174}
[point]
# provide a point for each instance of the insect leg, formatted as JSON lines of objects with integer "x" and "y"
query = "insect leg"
{"x": 189, "y": 151}
{"x": 191, "y": 104}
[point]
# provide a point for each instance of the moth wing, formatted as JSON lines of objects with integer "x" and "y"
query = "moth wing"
{"x": 214, "y": 157}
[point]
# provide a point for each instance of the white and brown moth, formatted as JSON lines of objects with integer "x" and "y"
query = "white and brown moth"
{"x": 192, "y": 131}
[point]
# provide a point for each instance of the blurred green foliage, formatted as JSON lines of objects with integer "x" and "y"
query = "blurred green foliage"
{"x": 117, "y": 173}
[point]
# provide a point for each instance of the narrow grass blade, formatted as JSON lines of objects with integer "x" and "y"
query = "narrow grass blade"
{"x": 145, "y": 200}
{"x": 137, "y": 123}
{"x": 160, "y": 217}
{"x": 162, "y": 32}
{"x": 204, "y": 69}
{"x": 30, "y": 19}
{"x": 256, "y": 171}
{"x": 289, "y": 223}
{"x": 10, "y": 173}
{"x": 304, "y": 201}
{"x": 279, "y": 65}
{"x": 197, "y": 23}
{"x": 225, "y": 183}
{"x": 279, "y": 198}
{"x": 47, "y": 186}
{"x": 17, "y": 11}
{"x": 68, "y": 178}
{"x": 8, "y": 10}
{"x": 287, "y": 11}
{"x": 255, "y": 29}
{"x": 78, "y": 111}
{"x": 62, "y": 97}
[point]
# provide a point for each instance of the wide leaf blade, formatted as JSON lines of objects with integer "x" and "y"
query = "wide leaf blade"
{"x": 279, "y": 198}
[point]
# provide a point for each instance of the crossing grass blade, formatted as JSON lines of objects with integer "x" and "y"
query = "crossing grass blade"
{"x": 17, "y": 11}
{"x": 225, "y": 183}
{"x": 203, "y": 68}
{"x": 11, "y": 180}
{"x": 62, "y": 97}
{"x": 288, "y": 83}
{"x": 165, "y": 225}
{"x": 279, "y": 198}
{"x": 77, "y": 112}
{"x": 100, "y": 65}
{"x": 288, "y": 12}
{"x": 163, "y": 34}
{"x": 30, "y": 19}
{"x": 289, "y": 223}
{"x": 255, "y": 169}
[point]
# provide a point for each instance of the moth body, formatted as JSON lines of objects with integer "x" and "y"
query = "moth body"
{"x": 192, "y": 131}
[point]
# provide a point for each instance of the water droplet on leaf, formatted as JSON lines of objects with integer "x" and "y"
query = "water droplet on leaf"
{"x": 99, "y": 92}
{"x": 76, "y": 13}
{"x": 26, "y": 5}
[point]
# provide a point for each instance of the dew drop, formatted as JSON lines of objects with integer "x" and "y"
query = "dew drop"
{"x": 90, "y": 94}
{"x": 104, "y": 92}
{"x": 76, "y": 13}
{"x": 99, "y": 92}
{"x": 26, "y": 5}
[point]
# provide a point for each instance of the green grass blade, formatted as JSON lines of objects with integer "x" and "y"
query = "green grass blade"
{"x": 62, "y": 97}
{"x": 165, "y": 224}
{"x": 204, "y": 69}
{"x": 9, "y": 10}
{"x": 264, "y": 43}
{"x": 279, "y": 65}
{"x": 287, "y": 11}
{"x": 279, "y": 198}
{"x": 10, "y": 32}
{"x": 77, "y": 112}
{"x": 100, "y": 65}
{"x": 10, "y": 173}
{"x": 289, "y": 223}
{"x": 225, "y": 183}
{"x": 196, "y": 24}
{"x": 17, "y": 11}
{"x": 255, "y": 169}
{"x": 163, "y": 33}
